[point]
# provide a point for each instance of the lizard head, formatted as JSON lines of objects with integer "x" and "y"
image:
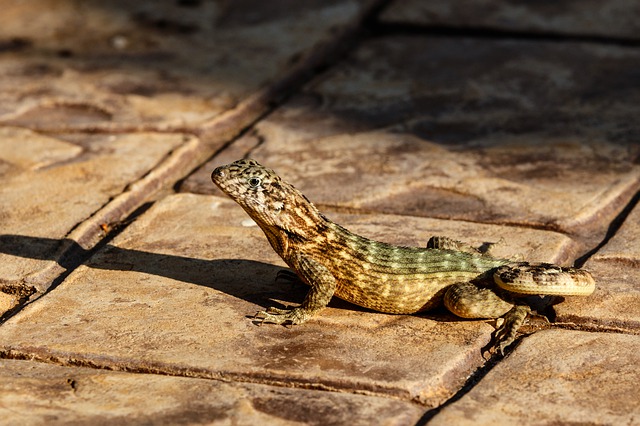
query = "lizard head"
{"x": 269, "y": 200}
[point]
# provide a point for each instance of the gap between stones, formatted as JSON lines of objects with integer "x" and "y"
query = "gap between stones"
{"x": 382, "y": 29}
{"x": 614, "y": 226}
{"x": 482, "y": 371}
{"x": 479, "y": 374}
{"x": 158, "y": 368}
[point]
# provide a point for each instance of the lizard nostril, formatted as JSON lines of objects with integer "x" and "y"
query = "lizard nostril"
{"x": 218, "y": 173}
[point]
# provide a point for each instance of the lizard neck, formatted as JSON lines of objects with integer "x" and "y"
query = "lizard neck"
{"x": 294, "y": 223}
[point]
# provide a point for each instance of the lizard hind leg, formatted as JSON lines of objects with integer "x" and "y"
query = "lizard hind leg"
{"x": 506, "y": 333}
{"x": 467, "y": 300}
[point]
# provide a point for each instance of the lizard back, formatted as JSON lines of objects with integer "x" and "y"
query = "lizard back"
{"x": 393, "y": 279}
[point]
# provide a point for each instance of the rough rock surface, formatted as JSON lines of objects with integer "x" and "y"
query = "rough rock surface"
{"x": 127, "y": 283}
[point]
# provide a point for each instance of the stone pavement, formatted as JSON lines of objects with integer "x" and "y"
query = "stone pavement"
{"x": 127, "y": 281}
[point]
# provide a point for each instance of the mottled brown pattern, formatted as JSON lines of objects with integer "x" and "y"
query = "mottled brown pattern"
{"x": 380, "y": 276}
{"x": 544, "y": 278}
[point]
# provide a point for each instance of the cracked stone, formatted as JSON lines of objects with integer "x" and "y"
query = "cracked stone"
{"x": 572, "y": 386}
{"x": 616, "y": 301}
{"x": 28, "y": 150}
{"x": 36, "y": 393}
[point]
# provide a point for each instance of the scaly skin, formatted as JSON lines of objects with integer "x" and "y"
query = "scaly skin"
{"x": 399, "y": 280}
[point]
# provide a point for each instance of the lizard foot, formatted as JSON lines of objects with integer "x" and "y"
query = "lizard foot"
{"x": 282, "y": 316}
{"x": 506, "y": 333}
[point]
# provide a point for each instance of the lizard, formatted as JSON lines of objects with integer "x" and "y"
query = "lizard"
{"x": 334, "y": 261}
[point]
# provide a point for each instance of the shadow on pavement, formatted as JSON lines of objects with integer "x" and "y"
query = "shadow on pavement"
{"x": 250, "y": 280}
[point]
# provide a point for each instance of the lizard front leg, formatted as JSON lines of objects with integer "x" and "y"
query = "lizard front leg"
{"x": 323, "y": 285}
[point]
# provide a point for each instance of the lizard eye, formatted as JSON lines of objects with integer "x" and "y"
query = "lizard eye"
{"x": 255, "y": 182}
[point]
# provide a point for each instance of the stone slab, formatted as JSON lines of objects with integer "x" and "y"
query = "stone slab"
{"x": 51, "y": 184}
{"x": 174, "y": 294}
{"x": 610, "y": 19}
{"x": 469, "y": 129}
{"x": 556, "y": 377}
{"x": 624, "y": 246}
{"x": 33, "y": 393}
{"x": 27, "y": 150}
{"x": 7, "y": 301}
{"x": 616, "y": 267}
{"x": 136, "y": 65}
{"x": 614, "y": 305}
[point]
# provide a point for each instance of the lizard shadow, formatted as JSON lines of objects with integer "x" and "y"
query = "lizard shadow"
{"x": 253, "y": 281}
{"x": 249, "y": 280}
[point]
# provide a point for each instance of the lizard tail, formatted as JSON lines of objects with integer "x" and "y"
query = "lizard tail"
{"x": 544, "y": 278}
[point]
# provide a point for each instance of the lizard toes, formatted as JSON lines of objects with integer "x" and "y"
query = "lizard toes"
{"x": 266, "y": 317}
{"x": 278, "y": 311}
{"x": 281, "y": 316}
{"x": 503, "y": 338}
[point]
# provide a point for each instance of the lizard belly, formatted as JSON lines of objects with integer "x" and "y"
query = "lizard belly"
{"x": 400, "y": 294}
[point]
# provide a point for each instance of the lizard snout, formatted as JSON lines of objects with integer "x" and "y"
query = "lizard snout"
{"x": 218, "y": 175}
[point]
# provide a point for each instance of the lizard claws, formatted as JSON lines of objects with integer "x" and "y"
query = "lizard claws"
{"x": 281, "y": 316}
{"x": 505, "y": 335}
{"x": 257, "y": 319}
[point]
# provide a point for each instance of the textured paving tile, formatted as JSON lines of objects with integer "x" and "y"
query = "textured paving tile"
{"x": 154, "y": 65}
{"x": 624, "y": 247}
{"x": 557, "y": 377}
{"x": 616, "y": 267}
{"x": 33, "y": 393}
{"x": 617, "y": 18}
{"x": 91, "y": 68}
{"x": 174, "y": 291}
{"x": 50, "y": 184}
{"x": 468, "y": 129}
